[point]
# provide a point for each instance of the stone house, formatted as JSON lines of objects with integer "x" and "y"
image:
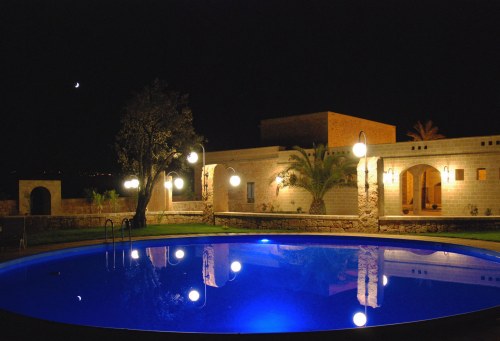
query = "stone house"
{"x": 447, "y": 177}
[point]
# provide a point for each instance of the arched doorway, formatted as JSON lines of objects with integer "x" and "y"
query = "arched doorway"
{"x": 421, "y": 190}
{"x": 40, "y": 201}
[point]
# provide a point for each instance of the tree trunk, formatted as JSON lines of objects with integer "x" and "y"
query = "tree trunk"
{"x": 139, "y": 219}
{"x": 317, "y": 207}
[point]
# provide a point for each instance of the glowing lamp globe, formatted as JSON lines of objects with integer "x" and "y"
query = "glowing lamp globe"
{"x": 192, "y": 157}
{"x": 359, "y": 319}
{"x": 359, "y": 149}
{"x": 179, "y": 254}
{"x": 194, "y": 295}
{"x": 178, "y": 183}
{"x": 234, "y": 180}
{"x": 235, "y": 266}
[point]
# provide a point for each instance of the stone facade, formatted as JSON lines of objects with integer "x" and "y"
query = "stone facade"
{"x": 291, "y": 222}
{"x": 82, "y": 206}
{"x": 444, "y": 159}
{"x": 8, "y": 207}
{"x": 330, "y": 128}
{"x": 396, "y": 173}
{"x": 50, "y": 188}
{"x": 446, "y": 178}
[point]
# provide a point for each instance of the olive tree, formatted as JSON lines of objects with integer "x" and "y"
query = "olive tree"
{"x": 156, "y": 130}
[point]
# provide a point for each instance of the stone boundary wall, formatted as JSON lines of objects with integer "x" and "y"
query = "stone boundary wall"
{"x": 292, "y": 222}
{"x": 8, "y": 207}
{"x": 401, "y": 224}
{"x": 187, "y": 205}
{"x": 267, "y": 221}
{"x": 46, "y": 223}
{"x": 340, "y": 224}
{"x": 82, "y": 206}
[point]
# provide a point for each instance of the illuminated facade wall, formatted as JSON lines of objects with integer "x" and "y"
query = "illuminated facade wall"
{"x": 258, "y": 165}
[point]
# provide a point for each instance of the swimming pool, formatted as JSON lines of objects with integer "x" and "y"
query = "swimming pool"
{"x": 252, "y": 284}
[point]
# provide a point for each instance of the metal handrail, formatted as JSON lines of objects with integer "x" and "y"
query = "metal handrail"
{"x": 106, "y": 230}
{"x": 129, "y": 225}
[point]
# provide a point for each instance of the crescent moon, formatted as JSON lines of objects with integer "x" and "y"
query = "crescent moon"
{"x": 77, "y": 85}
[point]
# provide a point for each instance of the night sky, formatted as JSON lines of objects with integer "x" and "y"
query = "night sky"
{"x": 240, "y": 61}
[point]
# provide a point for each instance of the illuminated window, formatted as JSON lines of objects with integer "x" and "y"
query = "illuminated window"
{"x": 250, "y": 192}
{"x": 481, "y": 174}
{"x": 459, "y": 174}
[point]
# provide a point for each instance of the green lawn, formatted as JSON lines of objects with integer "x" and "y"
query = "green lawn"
{"x": 73, "y": 235}
{"x": 62, "y": 236}
{"x": 493, "y": 236}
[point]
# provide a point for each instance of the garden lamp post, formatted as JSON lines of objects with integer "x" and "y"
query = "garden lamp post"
{"x": 178, "y": 181}
{"x": 193, "y": 158}
{"x": 133, "y": 183}
{"x": 235, "y": 179}
{"x": 359, "y": 150}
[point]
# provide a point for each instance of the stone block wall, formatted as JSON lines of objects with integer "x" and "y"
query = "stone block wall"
{"x": 290, "y": 222}
{"x": 467, "y": 154}
{"x": 82, "y": 206}
{"x": 187, "y": 205}
{"x": 395, "y": 225}
{"x": 343, "y": 130}
{"x": 80, "y": 221}
{"x": 8, "y": 207}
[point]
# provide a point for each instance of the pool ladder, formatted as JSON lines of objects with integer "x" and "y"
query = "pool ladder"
{"x": 125, "y": 223}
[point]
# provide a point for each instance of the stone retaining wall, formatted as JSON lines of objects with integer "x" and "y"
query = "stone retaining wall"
{"x": 340, "y": 224}
{"x": 268, "y": 221}
{"x": 45, "y": 223}
{"x": 437, "y": 224}
{"x": 8, "y": 207}
{"x": 292, "y": 222}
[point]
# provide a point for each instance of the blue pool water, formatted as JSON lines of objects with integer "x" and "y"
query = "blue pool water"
{"x": 252, "y": 284}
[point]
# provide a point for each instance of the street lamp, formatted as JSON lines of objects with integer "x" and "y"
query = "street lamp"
{"x": 359, "y": 150}
{"x": 389, "y": 176}
{"x": 178, "y": 254}
{"x": 446, "y": 173}
{"x": 193, "y": 158}
{"x": 134, "y": 183}
{"x": 178, "y": 182}
{"x": 234, "y": 180}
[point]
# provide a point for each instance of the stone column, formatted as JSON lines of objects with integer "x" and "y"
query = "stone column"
{"x": 208, "y": 197}
{"x": 368, "y": 196}
{"x": 158, "y": 201}
{"x": 169, "y": 206}
{"x": 370, "y": 276}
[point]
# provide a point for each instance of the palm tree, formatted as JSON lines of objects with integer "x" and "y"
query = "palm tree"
{"x": 425, "y": 133}
{"x": 319, "y": 175}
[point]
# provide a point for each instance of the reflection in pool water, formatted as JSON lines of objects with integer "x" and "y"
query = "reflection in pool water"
{"x": 245, "y": 284}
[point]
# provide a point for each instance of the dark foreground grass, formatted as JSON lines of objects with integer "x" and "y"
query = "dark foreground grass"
{"x": 74, "y": 235}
